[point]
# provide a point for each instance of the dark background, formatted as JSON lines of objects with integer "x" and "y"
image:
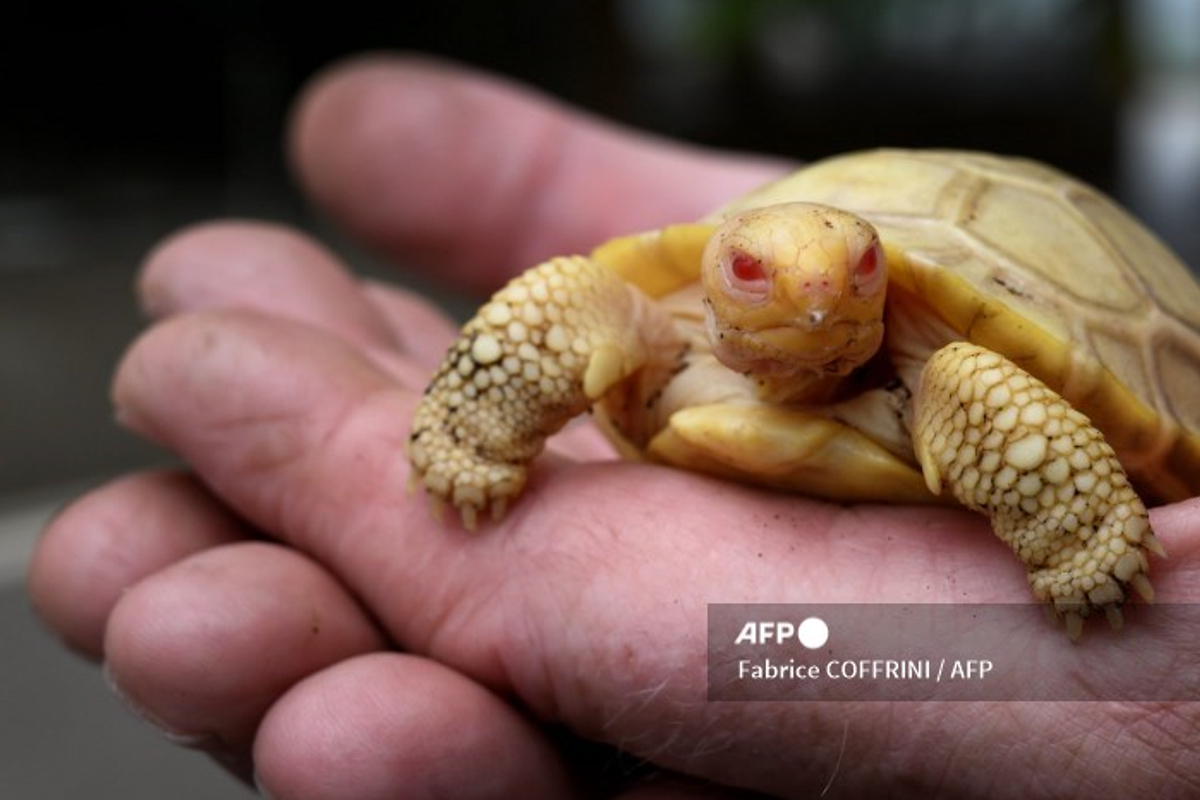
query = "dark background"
{"x": 196, "y": 91}
{"x": 122, "y": 121}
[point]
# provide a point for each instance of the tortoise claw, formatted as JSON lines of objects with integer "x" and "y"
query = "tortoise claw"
{"x": 437, "y": 509}
{"x": 1141, "y": 585}
{"x": 1151, "y": 543}
{"x": 470, "y": 517}
{"x": 1113, "y": 613}
{"x": 1074, "y": 625}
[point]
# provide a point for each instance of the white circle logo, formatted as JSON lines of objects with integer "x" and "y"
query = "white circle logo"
{"x": 813, "y": 633}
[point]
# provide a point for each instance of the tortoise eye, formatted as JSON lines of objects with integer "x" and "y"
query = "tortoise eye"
{"x": 747, "y": 274}
{"x": 747, "y": 268}
{"x": 868, "y": 272}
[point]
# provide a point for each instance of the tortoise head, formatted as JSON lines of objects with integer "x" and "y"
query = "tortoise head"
{"x": 794, "y": 291}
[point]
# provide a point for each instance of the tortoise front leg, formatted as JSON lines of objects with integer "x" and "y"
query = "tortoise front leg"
{"x": 540, "y": 352}
{"x": 1007, "y": 445}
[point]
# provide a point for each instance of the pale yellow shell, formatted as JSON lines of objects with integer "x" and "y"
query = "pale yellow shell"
{"x": 1047, "y": 271}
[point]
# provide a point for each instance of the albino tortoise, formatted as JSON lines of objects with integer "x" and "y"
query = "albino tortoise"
{"x": 881, "y": 326}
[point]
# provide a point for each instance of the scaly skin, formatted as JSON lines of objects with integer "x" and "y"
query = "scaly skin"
{"x": 540, "y": 352}
{"x": 794, "y": 299}
{"x": 795, "y": 294}
{"x": 1007, "y": 445}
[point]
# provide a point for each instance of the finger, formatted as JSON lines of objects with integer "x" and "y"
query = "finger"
{"x": 425, "y": 330}
{"x": 236, "y": 625}
{"x": 172, "y": 362}
{"x": 609, "y": 635}
{"x": 113, "y": 537}
{"x": 277, "y": 270}
{"x": 371, "y": 724}
{"x": 479, "y": 177}
{"x": 259, "y": 266}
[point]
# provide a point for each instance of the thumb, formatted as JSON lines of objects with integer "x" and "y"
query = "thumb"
{"x": 479, "y": 177}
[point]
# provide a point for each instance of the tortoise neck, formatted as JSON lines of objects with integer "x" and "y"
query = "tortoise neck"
{"x": 796, "y": 389}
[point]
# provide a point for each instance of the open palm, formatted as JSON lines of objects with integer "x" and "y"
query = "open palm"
{"x": 287, "y": 606}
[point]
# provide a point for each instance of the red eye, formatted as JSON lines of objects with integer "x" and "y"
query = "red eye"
{"x": 868, "y": 269}
{"x": 747, "y": 269}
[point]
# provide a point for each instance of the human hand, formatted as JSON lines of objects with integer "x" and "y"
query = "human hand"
{"x": 363, "y": 647}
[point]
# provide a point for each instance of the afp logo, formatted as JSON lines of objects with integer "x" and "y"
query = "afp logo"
{"x": 812, "y": 633}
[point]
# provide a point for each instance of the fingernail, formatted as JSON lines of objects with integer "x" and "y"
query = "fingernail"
{"x": 122, "y": 417}
{"x": 261, "y": 788}
{"x": 196, "y": 741}
{"x": 127, "y": 418}
{"x": 151, "y": 300}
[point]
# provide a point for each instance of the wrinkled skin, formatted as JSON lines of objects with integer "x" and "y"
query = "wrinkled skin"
{"x": 286, "y": 607}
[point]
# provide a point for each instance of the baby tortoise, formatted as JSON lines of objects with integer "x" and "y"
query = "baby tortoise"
{"x": 886, "y": 326}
